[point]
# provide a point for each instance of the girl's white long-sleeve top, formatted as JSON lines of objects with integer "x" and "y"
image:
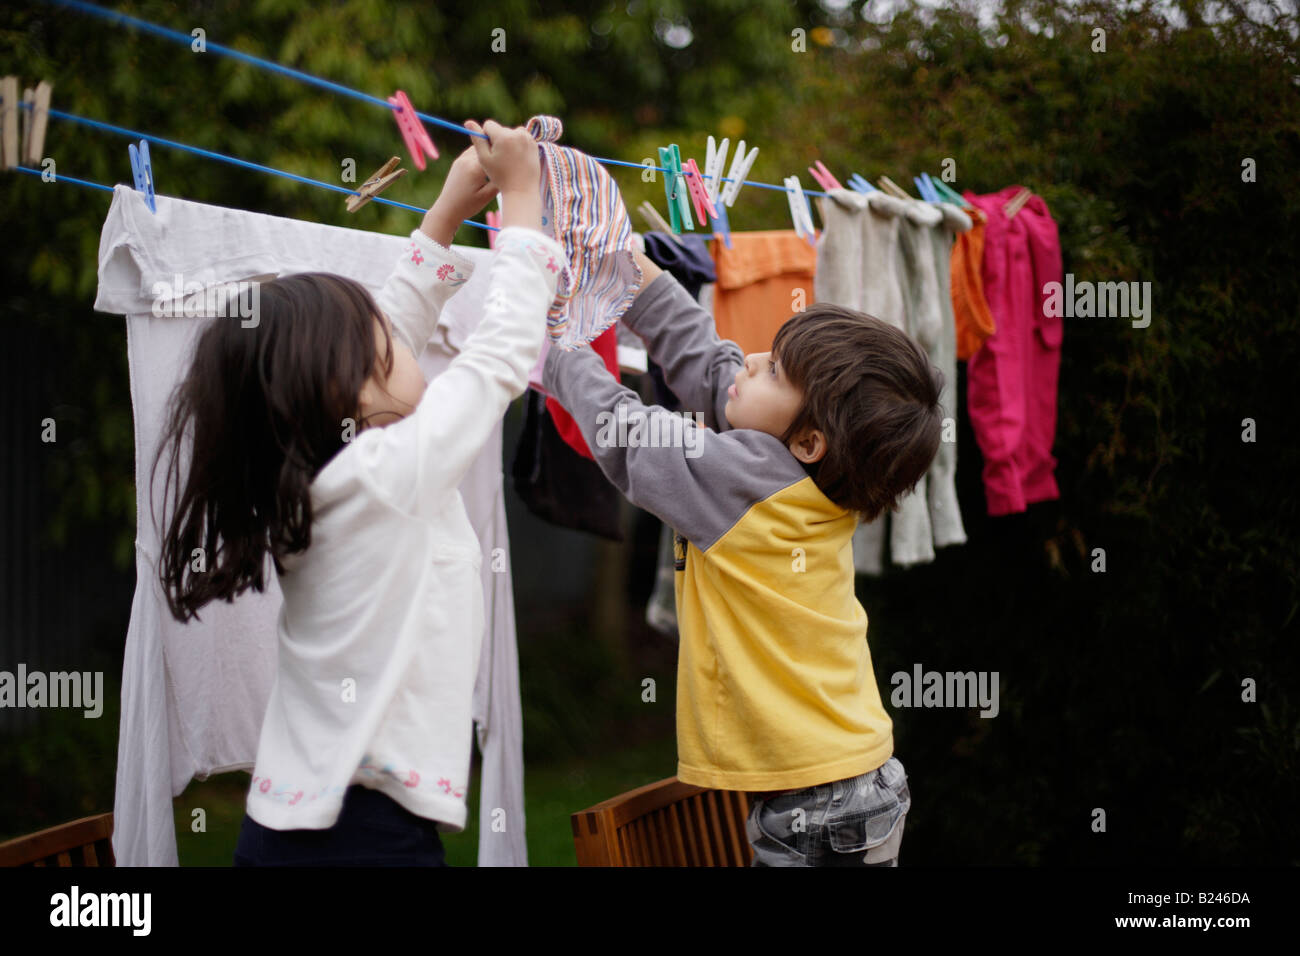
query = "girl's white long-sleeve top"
{"x": 382, "y": 622}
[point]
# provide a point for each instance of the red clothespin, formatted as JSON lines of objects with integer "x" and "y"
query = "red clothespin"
{"x": 413, "y": 133}
{"x": 704, "y": 208}
{"x": 823, "y": 176}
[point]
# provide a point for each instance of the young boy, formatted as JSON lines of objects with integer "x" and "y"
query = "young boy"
{"x": 775, "y": 690}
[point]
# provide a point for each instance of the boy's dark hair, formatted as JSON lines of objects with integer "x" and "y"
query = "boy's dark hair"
{"x": 265, "y": 406}
{"x": 873, "y": 393}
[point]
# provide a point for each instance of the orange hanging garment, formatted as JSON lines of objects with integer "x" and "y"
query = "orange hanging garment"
{"x": 970, "y": 308}
{"x": 758, "y": 283}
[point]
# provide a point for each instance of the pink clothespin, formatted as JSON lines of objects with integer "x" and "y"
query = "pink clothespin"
{"x": 417, "y": 140}
{"x": 494, "y": 219}
{"x": 823, "y": 176}
{"x": 704, "y": 208}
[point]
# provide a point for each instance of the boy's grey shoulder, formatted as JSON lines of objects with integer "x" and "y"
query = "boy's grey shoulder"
{"x": 740, "y": 467}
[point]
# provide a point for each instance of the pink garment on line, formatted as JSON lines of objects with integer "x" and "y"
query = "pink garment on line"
{"x": 1012, "y": 379}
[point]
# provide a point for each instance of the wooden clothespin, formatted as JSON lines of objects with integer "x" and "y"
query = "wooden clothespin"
{"x": 35, "y": 119}
{"x": 656, "y": 221}
{"x": 9, "y": 122}
{"x": 376, "y": 184}
{"x": 1017, "y": 203}
{"x": 891, "y": 187}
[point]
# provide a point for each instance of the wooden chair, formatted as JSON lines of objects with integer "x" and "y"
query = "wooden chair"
{"x": 668, "y": 823}
{"x": 84, "y": 842}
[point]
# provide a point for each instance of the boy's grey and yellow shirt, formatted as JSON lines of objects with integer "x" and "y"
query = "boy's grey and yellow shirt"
{"x": 775, "y": 687}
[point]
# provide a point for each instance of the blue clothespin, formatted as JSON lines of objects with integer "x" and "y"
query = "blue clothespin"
{"x": 721, "y": 225}
{"x": 929, "y": 185}
{"x": 923, "y": 182}
{"x": 143, "y": 172}
{"x": 859, "y": 184}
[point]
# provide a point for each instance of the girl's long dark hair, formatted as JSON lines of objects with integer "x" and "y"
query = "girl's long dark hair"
{"x": 265, "y": 406}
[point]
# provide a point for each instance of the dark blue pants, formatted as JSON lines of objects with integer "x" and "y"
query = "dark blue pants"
{"x": 372, "y": 830}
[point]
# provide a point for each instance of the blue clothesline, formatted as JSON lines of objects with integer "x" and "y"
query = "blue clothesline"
{"x": 60, "y": 178}
{"x": 136, "y": 134}
{"x": 185, "y": 38}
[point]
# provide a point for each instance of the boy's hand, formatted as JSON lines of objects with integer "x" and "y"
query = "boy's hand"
{"x": 466, "y": 191}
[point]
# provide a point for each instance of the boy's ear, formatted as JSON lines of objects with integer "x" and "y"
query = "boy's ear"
{"x": 809, "y": 445}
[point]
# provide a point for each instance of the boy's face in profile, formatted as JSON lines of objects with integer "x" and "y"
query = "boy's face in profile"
{"x": 762, "y": 397}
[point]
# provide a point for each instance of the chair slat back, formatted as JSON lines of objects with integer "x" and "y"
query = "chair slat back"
{"x": 666, "y": 823}
{"x": 84, "y": 842}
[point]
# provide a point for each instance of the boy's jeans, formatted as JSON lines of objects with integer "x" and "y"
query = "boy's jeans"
{"x": 853, "y": 822}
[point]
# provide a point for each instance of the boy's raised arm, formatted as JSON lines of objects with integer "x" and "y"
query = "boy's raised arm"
{"x": 680, "y": 336}
{"x": 695, "y": 480}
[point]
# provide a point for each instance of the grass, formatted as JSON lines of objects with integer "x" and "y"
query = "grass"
{"x": 552, "y": 792}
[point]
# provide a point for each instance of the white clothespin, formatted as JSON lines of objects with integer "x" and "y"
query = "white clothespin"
{"x": 715, "y": 161}
{"x": 740, "y": 165}
{"x": 34, "y": 122}
{"x": 800, "y": 211}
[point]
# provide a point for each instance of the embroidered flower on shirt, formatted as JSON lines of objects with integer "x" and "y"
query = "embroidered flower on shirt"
{"x": 447, "y": 787}
{"x": 444, "y": 270}
{"x": 409, "y": 778}
{"x": 550, "y": 264}
{"x": 416, "y": 256}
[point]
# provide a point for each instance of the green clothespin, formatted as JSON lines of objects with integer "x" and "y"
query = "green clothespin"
{"x": 672, "y": 186}
{"x": 949, "y": 194}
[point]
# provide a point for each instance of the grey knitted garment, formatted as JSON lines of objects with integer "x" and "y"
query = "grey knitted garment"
{"x": 889, "y": 258}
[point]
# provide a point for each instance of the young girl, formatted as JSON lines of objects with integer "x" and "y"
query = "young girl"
{"x": 315, "y": 438}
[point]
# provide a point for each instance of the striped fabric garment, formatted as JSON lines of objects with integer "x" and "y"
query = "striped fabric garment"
{"x": 585, "y": 214}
